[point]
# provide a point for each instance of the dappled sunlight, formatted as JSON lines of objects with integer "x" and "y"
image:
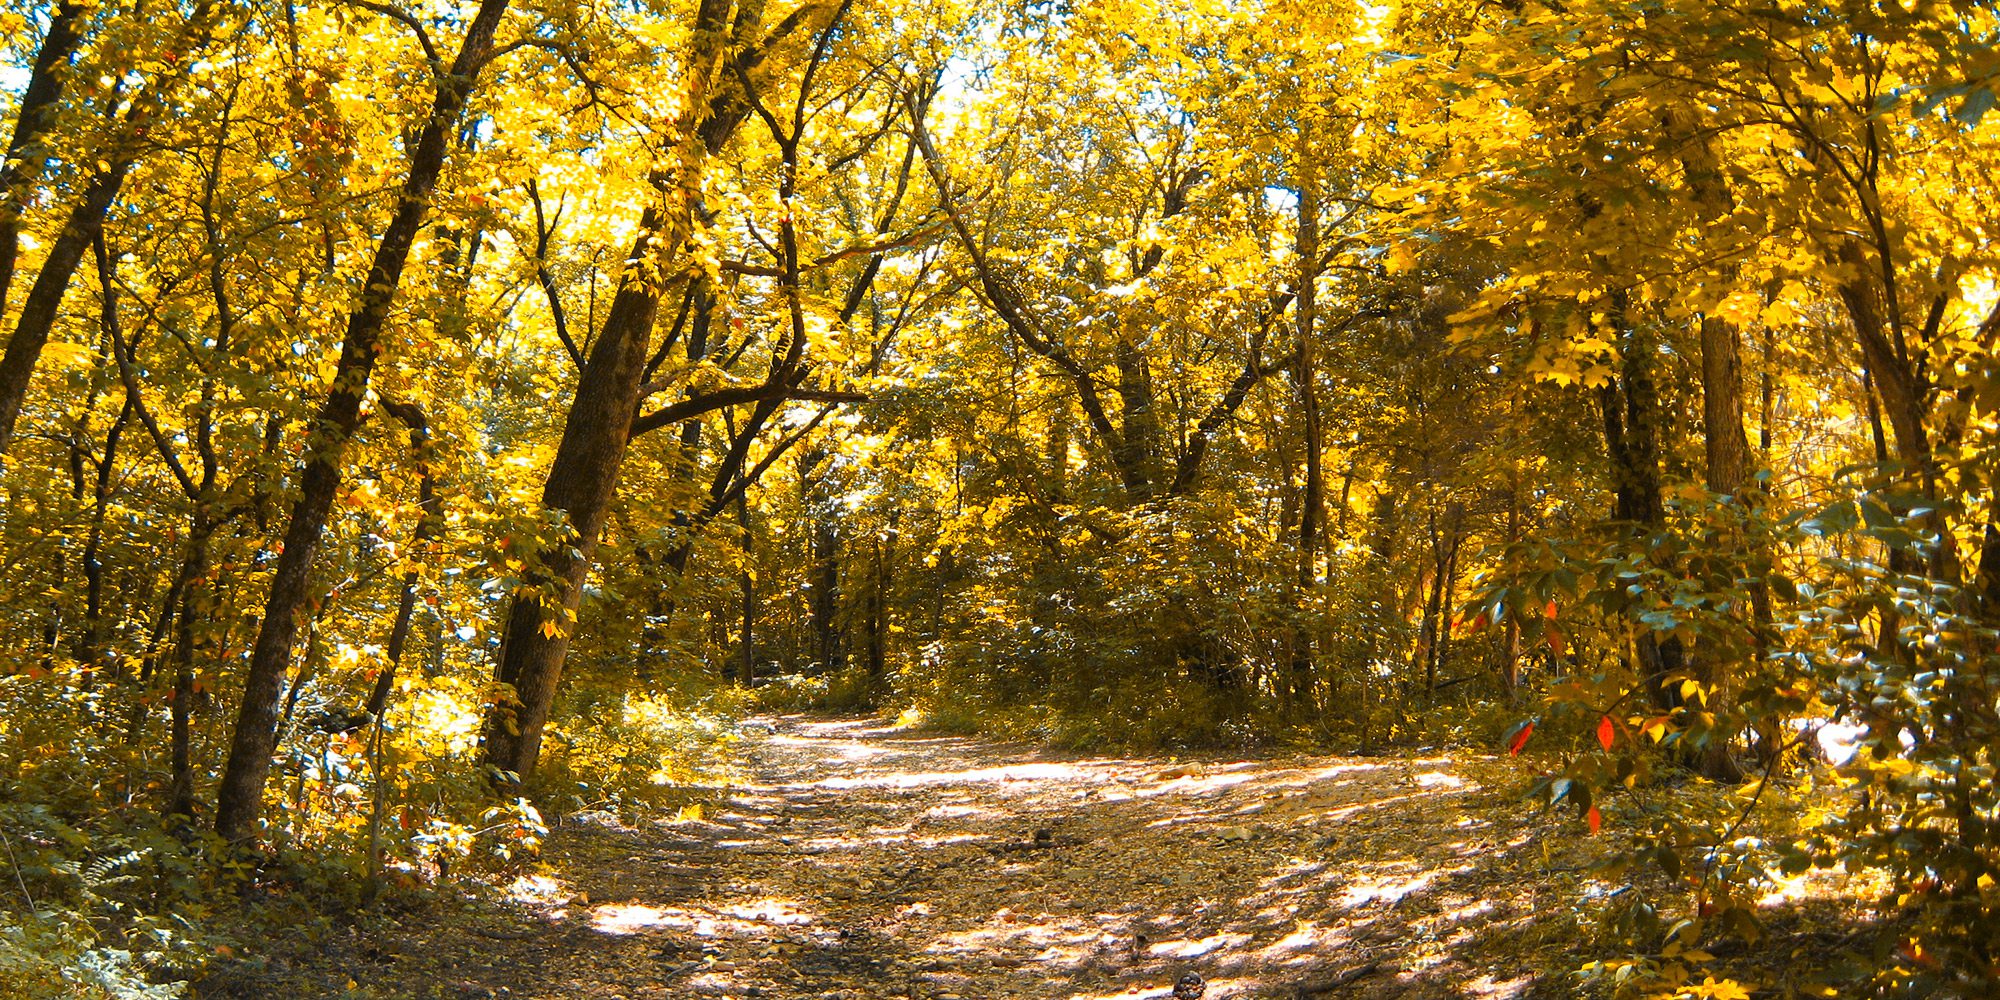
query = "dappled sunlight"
{"x": 1489, "y": 988}
{"x": 1301, "y": 811}
{"x": 1185, "y": 949}
{"x": 847, "y": 751}
{"x": 1391, "y": 890}
{"x": 1008, "y": 773}
{"x": 954, "y": 812}
{"x": 538, "y": 890}
{"x": 768, "y": 911}
{"x": 948, "y": 866}
{"x": 822, "y": 846}
{"x": 1302, "y": 777}
{"x": 1049, "y": 936}
{"x": 633, "y": 918}
{"x": 753, "y": 918}
{"x": 1307, "y": 942}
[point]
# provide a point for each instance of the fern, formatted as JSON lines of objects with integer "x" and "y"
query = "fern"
{"x": 115, "y": 972}
{"x": 105, "y": 871}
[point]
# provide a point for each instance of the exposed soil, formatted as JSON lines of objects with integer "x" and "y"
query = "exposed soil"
{"x": 860, "y": 862}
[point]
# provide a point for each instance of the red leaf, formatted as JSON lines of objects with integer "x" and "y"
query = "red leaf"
{"x": 1594, "y": 818}
{"x": 1555, "y": 641}
{"x": 1520, "y": 739}
{"x": 1550, "y": 611}
{"x": 1606, "y": 732}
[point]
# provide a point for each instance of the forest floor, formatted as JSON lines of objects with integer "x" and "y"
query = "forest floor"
{"x": 855, "y": 861}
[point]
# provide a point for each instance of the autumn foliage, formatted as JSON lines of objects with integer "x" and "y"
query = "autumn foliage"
{"x": 421, "y": 418}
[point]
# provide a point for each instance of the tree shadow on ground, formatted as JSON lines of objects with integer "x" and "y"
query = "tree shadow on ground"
{"x": 862, "y": 862}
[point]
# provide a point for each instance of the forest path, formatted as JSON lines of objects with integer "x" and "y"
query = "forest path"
{"x": 861, "y": 862}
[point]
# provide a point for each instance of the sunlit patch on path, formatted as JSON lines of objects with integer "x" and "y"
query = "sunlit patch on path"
{"x": 860, "y": 862}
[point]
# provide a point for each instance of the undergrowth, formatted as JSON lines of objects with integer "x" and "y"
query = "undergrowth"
{"x": 104, "y": 898}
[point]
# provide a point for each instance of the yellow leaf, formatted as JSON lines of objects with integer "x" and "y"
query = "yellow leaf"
{"x": 1399, "y": 259}
{"x": 68, "y": 355}
{"x": 1740, "y": 307}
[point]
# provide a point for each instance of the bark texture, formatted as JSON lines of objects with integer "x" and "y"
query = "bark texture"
{"x": 584, "y": 475}
{"x": 254, "y": 739}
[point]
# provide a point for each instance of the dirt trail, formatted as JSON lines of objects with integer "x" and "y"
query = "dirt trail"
{"x": 860, "y": 862}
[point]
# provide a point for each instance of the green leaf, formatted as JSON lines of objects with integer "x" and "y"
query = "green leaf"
{"x": 1975, "y": 107}
{"x": 1833, "y": 519}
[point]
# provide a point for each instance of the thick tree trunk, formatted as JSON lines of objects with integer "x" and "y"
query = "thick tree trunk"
{"x": 1137, "y": 452}
{"x": 254, "y": 739}
{"x": 1728, "y": 453}
{"x": 584, "y": 475}
{"x": 1726, "y": 444}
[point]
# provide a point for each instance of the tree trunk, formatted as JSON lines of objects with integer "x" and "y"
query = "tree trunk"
{"x": 1137, "y": 452}
{"x": 1631, "y": 409}
{"x": 85, "y": 221}
{"x": 44, "y": 301}
{"x": 827, "y": 647}
{"x": 197, "y": 609}
{"x": 430, "y": 525}
{"x": 1510, "y": 670}
{"x": 1429, "y": 628}
{"x": 1726, "y": 444}
{"x": 878, "y": 611}
{"x": 93, "y": 547}
{"x": 1728, "y": 453}
{"x": 746, "y": 673}
{"x": 1903, "y": 386}
{"x": 1312, "y": 502}
{"x": 254, "y": 739}
{"x": 583, "y": 477}
{"x": 1440, "y": 652}
{"x": 24, "y": 162}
